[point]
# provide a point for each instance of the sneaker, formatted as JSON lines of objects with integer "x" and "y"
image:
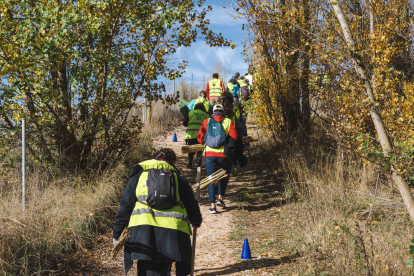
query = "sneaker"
{"x": 220, "y": 203}
{"x": 213, "y": 210}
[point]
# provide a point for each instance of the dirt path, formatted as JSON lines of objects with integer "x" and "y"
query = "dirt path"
{"x": 216, "y": 245}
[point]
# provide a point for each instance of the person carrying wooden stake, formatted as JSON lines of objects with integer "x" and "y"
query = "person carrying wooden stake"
{"x": 157, "y": 206}
{"x": 213, "y": 133}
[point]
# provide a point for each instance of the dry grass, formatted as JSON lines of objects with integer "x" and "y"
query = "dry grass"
{"x": 64, "y": 212}
{"x": 319, "y": 215}
{"x": 364, "y": 230}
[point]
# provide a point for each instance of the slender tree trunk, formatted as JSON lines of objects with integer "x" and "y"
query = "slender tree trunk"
{"x": 376, "y": 118}
{"x": 306, "y": 113}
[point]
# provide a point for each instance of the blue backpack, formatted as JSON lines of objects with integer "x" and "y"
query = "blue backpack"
{"x": 215, "y": 136}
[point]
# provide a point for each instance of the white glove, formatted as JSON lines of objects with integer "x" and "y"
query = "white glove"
{"x": 115, "y": 241}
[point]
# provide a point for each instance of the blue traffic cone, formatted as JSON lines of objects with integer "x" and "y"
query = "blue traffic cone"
{"x": 175, "y": 137}
{"x": 246, "y": 255}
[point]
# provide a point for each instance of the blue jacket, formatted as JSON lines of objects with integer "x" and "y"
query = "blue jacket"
{"x": 236, "y": 91}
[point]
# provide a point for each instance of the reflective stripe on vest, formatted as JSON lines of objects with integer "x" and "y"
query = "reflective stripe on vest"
{"x": 214, "y": 88}
{"x": 230, "y": 87}
{"x": 173, "y": 218}
{"x": 241, "y": 83}
{"x": 197, "y": 118}
{"x": 205, "y": 102}
{"x": 226, "y": 125}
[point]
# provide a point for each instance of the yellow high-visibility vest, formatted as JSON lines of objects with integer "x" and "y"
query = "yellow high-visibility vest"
{"x": 214, "y": 87}
{"x": 196, "y": 119}
{"x": 203, "y": 101}
{"x": 174, "y": 218}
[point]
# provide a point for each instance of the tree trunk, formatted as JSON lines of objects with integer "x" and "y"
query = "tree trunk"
{"x": 376, "y": 118}
{"x": 306, "y": 113}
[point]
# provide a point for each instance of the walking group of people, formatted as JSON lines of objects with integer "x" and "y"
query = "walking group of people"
{"x": 158, "y": 205}
{"x": 216, "y": 110}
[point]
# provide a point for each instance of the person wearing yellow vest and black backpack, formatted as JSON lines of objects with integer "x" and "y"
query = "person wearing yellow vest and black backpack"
{"x": 157, "y": 206}
{"x": 214, "y": 133}
{"x": 214, "y": 89}
{"x": 195, "y": 118}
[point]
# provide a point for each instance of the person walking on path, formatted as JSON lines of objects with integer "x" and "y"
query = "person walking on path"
{"x": 160, "y": 226}
{"x": 214, "y": 89}
{"x": 193, "y": 123}
{"x": 211, "y": 133}
{"x": 202, "y": 98}
{"x": 232, "y": 112}
{"x": 245, "y": 93}
{"x": 233, "y": 87}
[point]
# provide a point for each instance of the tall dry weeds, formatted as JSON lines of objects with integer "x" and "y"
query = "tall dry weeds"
{"x": 351, "y": 220}
{"x": 63, "y": 212}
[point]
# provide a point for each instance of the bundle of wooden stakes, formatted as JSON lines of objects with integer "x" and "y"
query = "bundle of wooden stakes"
{"x": 121, "y": 242}
{"x": 215, "y": 177}
{"x": 199, "y": 147}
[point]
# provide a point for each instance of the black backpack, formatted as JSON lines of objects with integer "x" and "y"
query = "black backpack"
{"x": 162, "y": 189}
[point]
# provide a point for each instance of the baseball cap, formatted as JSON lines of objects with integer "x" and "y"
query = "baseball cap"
{"x": 218, "y": 107}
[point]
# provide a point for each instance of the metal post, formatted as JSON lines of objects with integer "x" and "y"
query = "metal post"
{"x": 144, "y": 111}
{"x": 195, "y": 228}
{"x": 191, "y": 86}
{"x": 23, "y": 164}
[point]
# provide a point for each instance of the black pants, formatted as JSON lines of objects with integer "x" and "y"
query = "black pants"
{"x": 191, "y": 154}
{"x": 147, "y": 268}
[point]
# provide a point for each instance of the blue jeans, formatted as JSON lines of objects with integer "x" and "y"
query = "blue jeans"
{"x": 213, "y": 164}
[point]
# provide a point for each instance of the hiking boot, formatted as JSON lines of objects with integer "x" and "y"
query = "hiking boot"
{"x": 213, "y": 210}
{"x": 220, "y": 203}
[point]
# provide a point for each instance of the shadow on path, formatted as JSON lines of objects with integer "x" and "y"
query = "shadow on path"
{"x": 245, "y": 265}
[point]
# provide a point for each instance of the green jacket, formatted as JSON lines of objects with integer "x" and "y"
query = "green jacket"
{"x": 196, "y": 119}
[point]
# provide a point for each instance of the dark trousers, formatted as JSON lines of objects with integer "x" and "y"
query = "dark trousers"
{"x": 213, "y": 164}
{"x": 191, "y": 154}
{"x": 148, "y": 268}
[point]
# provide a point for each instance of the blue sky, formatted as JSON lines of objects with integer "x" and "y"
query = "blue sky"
{"x": 203, "y": 58}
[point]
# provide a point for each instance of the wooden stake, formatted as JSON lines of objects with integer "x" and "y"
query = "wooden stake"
{"x": 195, "y": 228}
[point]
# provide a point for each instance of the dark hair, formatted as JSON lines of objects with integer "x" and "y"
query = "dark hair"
{"x": 226, "y": 100}
{"x": 166, "y": 154}
{"x": 203, "y": 94}
{"x": 242, "y": 77}
{"x": 200, "y": 106}
{"x": 246, "y": 74}
{"x": 237, "y": 74}
{"x": 215, "y": 75}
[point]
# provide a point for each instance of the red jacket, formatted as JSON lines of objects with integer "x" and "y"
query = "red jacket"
{"x": 208, "y": 89}
{"x": 203, "y": 130}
